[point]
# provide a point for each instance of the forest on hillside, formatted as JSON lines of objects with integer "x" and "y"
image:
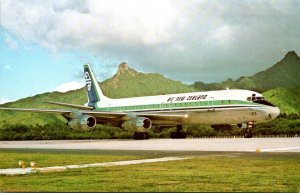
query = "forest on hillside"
{"x": 285, "y": 125}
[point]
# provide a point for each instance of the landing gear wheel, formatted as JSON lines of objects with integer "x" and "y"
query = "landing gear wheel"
{"x": 248, "y": 134}
{"x": 173, "y": 135}
{"x": 140, "y": 135}
{"x": 182, "y": 135}
{"x": 179, "y": 134}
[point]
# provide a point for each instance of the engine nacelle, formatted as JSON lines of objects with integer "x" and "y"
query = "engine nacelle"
{"x": 83, "y": 123}
{"x": 140, "y": 124}
{"x": 242, "y": 125}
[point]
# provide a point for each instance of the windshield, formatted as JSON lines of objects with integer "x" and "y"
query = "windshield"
{"x": 264, "y": 102}
{"x": 259, "y": 100}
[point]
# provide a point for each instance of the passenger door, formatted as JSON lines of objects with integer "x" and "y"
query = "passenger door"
{"x": 211, "y": 104}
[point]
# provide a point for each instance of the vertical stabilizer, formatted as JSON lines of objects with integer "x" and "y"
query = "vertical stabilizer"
{"x": 94, "y": 92}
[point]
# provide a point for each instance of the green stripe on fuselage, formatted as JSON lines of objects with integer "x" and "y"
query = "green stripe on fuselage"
{"x": 175, "y": 106}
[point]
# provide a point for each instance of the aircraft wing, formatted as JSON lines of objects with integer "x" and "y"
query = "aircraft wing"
{"x": 52, "y": 111}
{"x": 156, "y": 118}
{"x": 123, "y": 116}
{"x": 70, "y": 105}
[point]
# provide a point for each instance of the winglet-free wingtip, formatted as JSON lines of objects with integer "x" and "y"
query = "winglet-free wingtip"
{"x": 86, "y": 65}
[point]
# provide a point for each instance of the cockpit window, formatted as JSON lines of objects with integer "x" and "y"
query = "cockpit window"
{"x": 259, "y": 100}
{"x": 264, "y": 102}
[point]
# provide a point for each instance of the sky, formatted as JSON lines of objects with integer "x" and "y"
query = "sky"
{"x": 44, "y": 43}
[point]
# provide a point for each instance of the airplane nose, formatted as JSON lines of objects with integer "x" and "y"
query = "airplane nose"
{"x": 274, "y": 112}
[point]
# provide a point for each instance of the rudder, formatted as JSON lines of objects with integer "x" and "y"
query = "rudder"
{"x": 94, "y": 92}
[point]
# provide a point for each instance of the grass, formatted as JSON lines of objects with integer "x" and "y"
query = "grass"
{"x": 45, "y": 158}
{"x": 207, "y": 171}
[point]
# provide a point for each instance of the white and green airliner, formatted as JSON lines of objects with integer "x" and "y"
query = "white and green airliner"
{"x": 238, "y": 107}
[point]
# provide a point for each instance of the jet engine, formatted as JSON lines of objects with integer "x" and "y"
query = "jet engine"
{"x": 82, "y": 123}
{"x": 140, "y": 124}
{"x": 242, "y": 125}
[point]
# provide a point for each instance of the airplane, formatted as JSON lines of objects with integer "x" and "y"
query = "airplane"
{"x": 242, "y": 108}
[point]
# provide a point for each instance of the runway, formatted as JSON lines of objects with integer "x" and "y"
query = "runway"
{"x": 208, "y": 144}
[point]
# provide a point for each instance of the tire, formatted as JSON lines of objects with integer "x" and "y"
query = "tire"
{"x": 248, "y": 134}
{"x": 178, "y": 135}
{"x": 140, "y": 135}
{"x": 182, "y": 135}
{"x": 173, "y": 135}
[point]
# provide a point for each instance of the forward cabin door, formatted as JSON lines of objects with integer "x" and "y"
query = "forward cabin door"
{"x": 166, "y": 106}
{"x": 171, "y": 105}
{"x": 211, "y": 104}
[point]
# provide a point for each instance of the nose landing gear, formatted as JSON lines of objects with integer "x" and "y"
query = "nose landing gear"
{"x": 248, "y": 133}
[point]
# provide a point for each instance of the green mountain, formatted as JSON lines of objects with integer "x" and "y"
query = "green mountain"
{"x": 285, "y": 73}
{"x": 287, "y": 100}
{"x": 127, "y": 82}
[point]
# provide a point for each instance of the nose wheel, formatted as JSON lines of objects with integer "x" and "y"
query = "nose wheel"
{"x": 248, "y": 133}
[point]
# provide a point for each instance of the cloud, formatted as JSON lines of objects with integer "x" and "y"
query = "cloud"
{"x": 184, "y": 40}
{"x": 4, "y": 100}
{"x": 64, "y": 24}
{"x": 67, "y": 86}
{"x": 11, "y": 43}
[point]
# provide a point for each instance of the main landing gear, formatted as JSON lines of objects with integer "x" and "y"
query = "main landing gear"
{"x": 248, "y": 133}
{"x": 179, "y": 134}
{"x": 140, "y": 135}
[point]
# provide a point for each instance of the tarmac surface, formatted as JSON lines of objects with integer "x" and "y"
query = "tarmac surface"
{"x": 203, "y": 144}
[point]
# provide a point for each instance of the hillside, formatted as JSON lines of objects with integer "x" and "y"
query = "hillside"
{"x": 287, "y": 100}
{"x": 127, "y": 82}
{"x": 285, "y": 73}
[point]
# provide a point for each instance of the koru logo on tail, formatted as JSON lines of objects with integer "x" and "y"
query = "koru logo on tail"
{"x": 88, "y": 81}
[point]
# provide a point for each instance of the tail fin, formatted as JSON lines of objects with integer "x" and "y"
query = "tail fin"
{"x": 94, "y": 92}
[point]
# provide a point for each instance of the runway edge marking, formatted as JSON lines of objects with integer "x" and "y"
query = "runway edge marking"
{"x": 275, "y": 149}
{"x": 18, "y": 171}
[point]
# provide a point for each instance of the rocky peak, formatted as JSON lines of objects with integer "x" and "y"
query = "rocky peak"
{"x": 123, "y": 72}
{"x": 124, "y": 68}
{"x": 291, "y": 54}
